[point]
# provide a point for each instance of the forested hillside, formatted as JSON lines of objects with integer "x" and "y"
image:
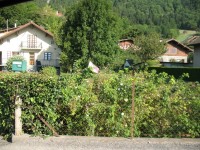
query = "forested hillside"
{"x": 163, "y": 16}
{"x": 183, "y": 14}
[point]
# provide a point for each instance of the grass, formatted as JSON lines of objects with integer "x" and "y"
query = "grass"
{"x": 185, "y": 34}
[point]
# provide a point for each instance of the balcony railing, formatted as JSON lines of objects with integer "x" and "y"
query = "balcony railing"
{"x": 52, "y": 62}
{"x": 27, "y": 45}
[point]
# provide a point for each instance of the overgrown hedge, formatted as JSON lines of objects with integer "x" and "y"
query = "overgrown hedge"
{"x": 101, "y": 105}
{"x": 194, "y": 73}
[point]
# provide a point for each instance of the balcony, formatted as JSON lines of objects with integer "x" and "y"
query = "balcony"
{"x": 52, "y": 62}
{"x": 31, "y": 46}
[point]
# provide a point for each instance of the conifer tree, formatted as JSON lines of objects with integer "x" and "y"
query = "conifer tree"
{"x": 90, "y": 34}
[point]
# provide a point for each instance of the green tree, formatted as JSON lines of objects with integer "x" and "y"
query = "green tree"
{"x": 51, "y": 22}
{"x": 91, "y": 33}
{"x": 20, "y": 14}
{"x": 148, "y": 47}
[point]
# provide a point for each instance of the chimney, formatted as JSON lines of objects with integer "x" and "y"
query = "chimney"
{"x": 7, "y": 24}
{"x": 15, "y": 25}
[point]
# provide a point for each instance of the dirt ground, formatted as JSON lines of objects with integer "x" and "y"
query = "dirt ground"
{"x": 26, "y": 142}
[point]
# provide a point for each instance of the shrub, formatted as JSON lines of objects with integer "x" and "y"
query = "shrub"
{"x": 194, "y": 73}
{"x": 101, "y": 106}
{"x": 49, "y": 71}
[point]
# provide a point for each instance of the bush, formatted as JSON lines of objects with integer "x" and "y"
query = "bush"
{"x": 194, "y": 73}
{"x": 101, "y": 105}
{"x": 49, "y": 71}
{"x": 11, "y": 59}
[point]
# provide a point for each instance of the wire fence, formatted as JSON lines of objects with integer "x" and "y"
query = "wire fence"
{"x": 117, "y": 105}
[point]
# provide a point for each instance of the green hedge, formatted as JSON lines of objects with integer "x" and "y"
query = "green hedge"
{"x": 101, "y": 105}
{"x": 194, "y": 73}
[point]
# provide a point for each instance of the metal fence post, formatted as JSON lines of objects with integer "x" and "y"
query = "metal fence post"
{"x": 133, "y": 108}
{"x": 18, "y": 112}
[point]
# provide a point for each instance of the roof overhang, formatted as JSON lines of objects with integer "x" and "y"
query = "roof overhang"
{"x": 195, "y": 42}
{"x": 180, "y": 44}
{"x": 4, "y": 3}
{"x": 15, "y": 30}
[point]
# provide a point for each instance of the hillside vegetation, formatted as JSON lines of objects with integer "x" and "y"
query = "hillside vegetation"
{"x": 167, "y": 13}
{"x": 162, "y": 16}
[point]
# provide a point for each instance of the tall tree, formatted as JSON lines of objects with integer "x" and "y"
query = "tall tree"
{"x": 91, "y": 33}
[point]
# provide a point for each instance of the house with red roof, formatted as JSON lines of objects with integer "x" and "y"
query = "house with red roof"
{"x": 125, "y": 43}
{"x": 175, "y": 52}
{"x": 32, "y": 42}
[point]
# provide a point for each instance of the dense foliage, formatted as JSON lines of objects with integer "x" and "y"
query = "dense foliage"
{"x": 101, "y": 105}
{"x": 161, "y": 16}
{"x": 19, "y": 14}
{"x": 193, "y": 73}
{"x": 23, "y": 13}
{"x": 148, "y": 47}
{"x": 90, "y": 34}
{"x": 164, "y": 15}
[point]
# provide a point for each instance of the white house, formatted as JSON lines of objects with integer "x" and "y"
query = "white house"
{"x": 175, "y": 52}
{"x": 32, "y": 42}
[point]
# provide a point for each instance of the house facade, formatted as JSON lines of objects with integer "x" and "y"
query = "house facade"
{"x": 125, "y": 43}
{"x": 175, "y": 52}
{"x": 196, "y": 57}
{"x": 32, "y": 42}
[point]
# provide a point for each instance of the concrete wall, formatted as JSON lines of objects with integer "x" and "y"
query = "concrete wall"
{"x": 175, "y": 58}
{"x": 13, "y": 44}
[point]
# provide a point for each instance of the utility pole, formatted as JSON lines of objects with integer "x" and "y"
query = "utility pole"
{"x": 7, "y": 25}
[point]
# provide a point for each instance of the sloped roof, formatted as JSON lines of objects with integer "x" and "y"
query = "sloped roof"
{"x": 124, "y": 40}
{"x": 180, "y": 44}
{"x": 195, "y": 41}
{"x": 189, "y": 39}
{"x": 6, "y": 33}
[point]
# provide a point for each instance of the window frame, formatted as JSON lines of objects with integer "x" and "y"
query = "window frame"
{"x": 47, "y": 55}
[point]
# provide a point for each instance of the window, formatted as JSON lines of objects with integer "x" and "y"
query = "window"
{"x": 32, "y": 41}
{"x": 8, "y": 54}
{"x": 47, "y": 56}
{"x": 31, "y": 58}
{"x": 15, "y": 53}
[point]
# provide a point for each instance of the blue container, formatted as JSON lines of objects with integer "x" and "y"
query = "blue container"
{"x": 19, "y": 65}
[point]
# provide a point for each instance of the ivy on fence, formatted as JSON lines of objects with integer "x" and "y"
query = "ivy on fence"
{"x": 101, "y": 105}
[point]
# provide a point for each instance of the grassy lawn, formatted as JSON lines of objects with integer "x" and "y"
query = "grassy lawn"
{"x": 184, "y": 34}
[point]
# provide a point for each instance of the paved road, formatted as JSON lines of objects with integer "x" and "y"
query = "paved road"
{"x": 98, "y": 143}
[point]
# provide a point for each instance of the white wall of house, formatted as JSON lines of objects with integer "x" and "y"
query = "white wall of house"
{"x": 196, "y": 61}
{"x": 176, "y": 58}
{"x": 12, "y": 45}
